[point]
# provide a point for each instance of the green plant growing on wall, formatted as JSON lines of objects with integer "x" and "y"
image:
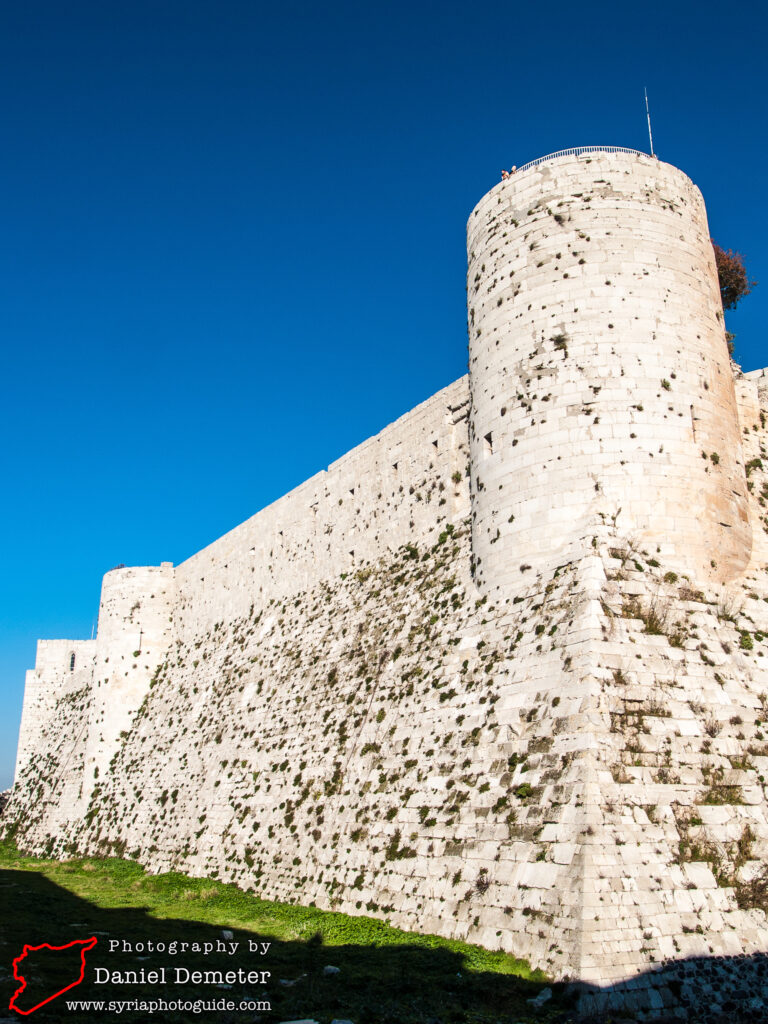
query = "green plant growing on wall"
{"x": 733, "y": 281}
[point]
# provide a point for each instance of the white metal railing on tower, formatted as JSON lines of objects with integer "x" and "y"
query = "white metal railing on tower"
{"x": 577, "y": 151}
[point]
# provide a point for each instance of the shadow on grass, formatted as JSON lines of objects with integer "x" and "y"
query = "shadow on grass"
{"x": 374, "y": 985}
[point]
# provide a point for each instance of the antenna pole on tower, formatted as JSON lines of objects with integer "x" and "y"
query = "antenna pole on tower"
{"x": 648, "y": 115}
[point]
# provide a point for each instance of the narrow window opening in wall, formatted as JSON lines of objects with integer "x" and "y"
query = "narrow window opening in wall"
{"x": 488, "y": 439}
{"x": 693, "y": 424}
{"x": 71, "y": 663}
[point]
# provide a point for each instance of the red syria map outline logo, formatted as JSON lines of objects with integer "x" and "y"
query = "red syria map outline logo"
{"x": 85, "y": 943}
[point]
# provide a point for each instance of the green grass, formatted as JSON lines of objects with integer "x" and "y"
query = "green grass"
{"x": 387, "y": 976}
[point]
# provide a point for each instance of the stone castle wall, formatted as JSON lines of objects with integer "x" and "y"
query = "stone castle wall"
{"x": 398, "y": 487}
{"x": 358, "y": 698}
{"x": 373, "y": 499}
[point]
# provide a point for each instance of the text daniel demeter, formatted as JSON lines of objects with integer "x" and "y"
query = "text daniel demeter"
{"x": 180, "y": 976}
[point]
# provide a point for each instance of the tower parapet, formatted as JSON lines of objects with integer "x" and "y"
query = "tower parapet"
{"x": 599, "y": 373}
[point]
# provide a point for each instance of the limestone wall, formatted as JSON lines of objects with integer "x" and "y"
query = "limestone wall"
{"x": 393, "y": 488}
{"x": 551, "y": 778}
{"x": 599, "y": 372}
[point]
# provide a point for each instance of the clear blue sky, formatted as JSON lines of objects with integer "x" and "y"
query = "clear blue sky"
{"x": 233, "y": 241}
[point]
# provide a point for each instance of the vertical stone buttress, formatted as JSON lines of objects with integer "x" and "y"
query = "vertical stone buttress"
{"x": 600, "y": 378}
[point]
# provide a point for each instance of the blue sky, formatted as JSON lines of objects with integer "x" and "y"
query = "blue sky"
{"x": 233, "y": 241}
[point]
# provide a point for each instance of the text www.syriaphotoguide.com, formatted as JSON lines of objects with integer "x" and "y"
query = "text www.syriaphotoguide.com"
{"x": 164, "y": 1005}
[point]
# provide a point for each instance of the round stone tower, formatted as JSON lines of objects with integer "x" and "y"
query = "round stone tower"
{"x": 600, "y": 378}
